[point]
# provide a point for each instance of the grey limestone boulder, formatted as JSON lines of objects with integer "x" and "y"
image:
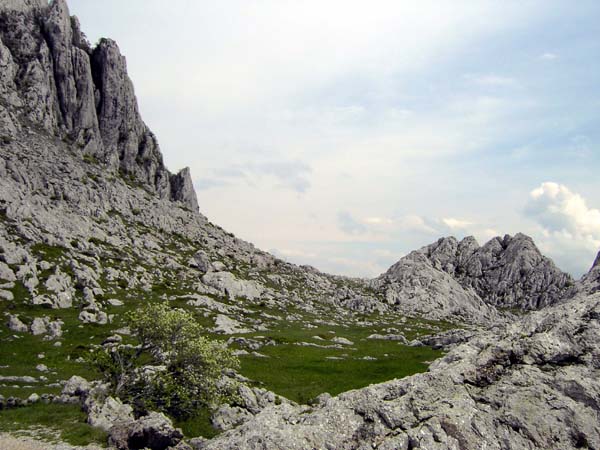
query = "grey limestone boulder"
{"x": 6, "y": 273}
{"x": 154, "y": 431}
{"x": 76, "y": 386}
{"x": 108, "y": 412}
{"x": 229, "y": 285}
{"x": 15, "y": 324}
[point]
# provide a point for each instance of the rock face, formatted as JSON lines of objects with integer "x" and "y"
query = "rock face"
{"x": 591, "y": 281}
{"x": 509, "y": 272}
{"x": 52, "y": 78}
{"x": 413, "y": 285}
{"x": 461, "y": 279}
{"x": 533, "y": 385}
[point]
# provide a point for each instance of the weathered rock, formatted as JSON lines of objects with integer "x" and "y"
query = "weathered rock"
{"x": 251, "y": 401}
{"x": 533, "y": 384}
{"x": 229, "y": 285}
{"x": 389, "y": 337}
{"x": 18, "y": 379}
{"x": 227, "y": 417}
{"x": 38, "y": 326}
{"x": 6, "y": 295}
{"x": 444, "y": 340}
{"x": 508, "y": 272}
{"x": 80, "y": 94}
{"x": 76, "y": 386}
{"x": 99, "y": 317}
{"x": 154, "y": 431}
{"x": 15, "y": 324}
{"x": 414, "y": 286}
{"x": 182, "y": 189}
{"x": 227, "y": 325}
{"x": 108, "y": 413}
{"x": 6, "y": 273}
{"x": 342, "y": 340}
{"x": 201, "y": 261}
{"x": 590, "y": 282}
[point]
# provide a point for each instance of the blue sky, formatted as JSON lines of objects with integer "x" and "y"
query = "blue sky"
{"x": 344, "y": 134}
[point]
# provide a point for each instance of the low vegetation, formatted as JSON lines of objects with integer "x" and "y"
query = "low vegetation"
{"x": 173, "y": 369}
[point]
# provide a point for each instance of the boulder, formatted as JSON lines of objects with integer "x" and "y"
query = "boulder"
{"x": 154, "y": 431}
{"x": 107, "y": 413}
{"x": 233, "y": 287}
{"x": 15, "y": 324}
{"x": 6, "y": 273}
{"x": 226, "y": 325}
{"x": 76, "y": 386}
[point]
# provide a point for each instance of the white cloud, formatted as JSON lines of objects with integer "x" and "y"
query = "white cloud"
{"x": 571, "y": 229}
{"x": 558, "y": 209}
{"x": 378, "y": 221}
{"x": 294, "y": 175}
{"x": 456, "y": 224}
{"x": 548, "y": 56}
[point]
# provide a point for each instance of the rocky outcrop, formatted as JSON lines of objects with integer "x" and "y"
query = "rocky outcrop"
{"x": 508, "y": 272}
{"x": 414, "y": 286}
{"x": 461, "y": 280}
{"x": 53, "y": 81}
{"x": 154, "y": 431}
{"x": 533, "y": 385}
{"x": 250, "y": 402}
{"x": 590, "y": 282}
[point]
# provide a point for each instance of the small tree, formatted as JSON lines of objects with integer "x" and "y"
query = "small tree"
{"x": 174, "y": 368}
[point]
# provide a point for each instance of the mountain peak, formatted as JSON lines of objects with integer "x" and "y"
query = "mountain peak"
{"x": 596, "y": 261}
{"x": 507, "y": 271}
{"x": 80, "y": 95}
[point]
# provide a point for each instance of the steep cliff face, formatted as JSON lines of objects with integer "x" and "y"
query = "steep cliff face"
{"x": 53, "y": 81}
{"x": 506, "y": 272}
{"x": 590, "y": 282}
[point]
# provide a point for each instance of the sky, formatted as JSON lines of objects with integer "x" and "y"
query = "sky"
{"x": 344, "y": 134}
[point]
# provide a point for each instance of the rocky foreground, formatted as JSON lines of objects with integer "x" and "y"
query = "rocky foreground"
{"x": 532, "y": 385}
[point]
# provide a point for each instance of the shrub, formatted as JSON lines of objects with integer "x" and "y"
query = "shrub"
{"x": 174, "y": 369}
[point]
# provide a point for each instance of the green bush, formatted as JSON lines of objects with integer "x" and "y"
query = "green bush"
{"x": 174, "y": 368}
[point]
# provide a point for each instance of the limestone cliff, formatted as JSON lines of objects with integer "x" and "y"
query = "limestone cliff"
{"x": 53, "y": 81}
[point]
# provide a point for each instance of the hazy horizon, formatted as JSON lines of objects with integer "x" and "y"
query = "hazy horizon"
{"x": 344, "y": 136}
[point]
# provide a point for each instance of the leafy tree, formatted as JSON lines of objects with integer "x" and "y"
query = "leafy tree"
{"x": 174, "y": 368}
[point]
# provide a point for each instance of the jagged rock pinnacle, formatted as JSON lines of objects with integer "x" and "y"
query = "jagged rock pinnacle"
{"x": 79, "y": 94}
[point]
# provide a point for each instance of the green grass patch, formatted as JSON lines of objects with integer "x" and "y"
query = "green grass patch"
{"x": 49, "y": 252}
{"x": 301, "y": 373}
{"x": 68, "y": 420}
{"x": 197, "y": 426}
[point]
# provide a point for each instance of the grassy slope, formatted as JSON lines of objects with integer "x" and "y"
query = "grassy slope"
{"x": 297, "y": 372}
